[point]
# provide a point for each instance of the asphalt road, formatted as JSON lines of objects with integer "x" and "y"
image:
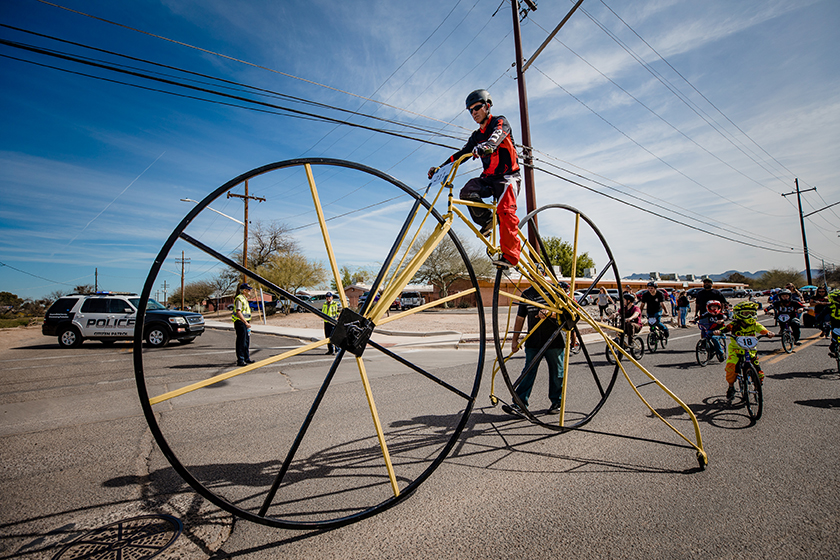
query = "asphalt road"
{"x": 77, "y": 454}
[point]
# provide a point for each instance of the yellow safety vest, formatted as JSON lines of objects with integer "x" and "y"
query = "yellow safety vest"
{"x": 240, "y": 303}
{"x": 330, "y": 309}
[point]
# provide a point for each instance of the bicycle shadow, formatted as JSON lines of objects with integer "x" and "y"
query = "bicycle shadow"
{"x": 820, "y": 403}
{"x": 715, "y": 411}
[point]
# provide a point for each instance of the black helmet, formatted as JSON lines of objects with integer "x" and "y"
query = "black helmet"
{"x": 479, "y": 95}
{"x": 628, "y": 296}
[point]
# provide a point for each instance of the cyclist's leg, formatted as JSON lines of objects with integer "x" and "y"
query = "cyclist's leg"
{"x": 523, "y": 390}
{"x": 660, "y": 324}
{"x": 794, "y": 327}
{"x": 508, "y": 222}
{"x": 475, "y": 190}
{"x": 754, "y": 356}
{"x": 554, "y": 359}
{"x": 733, "y": 354}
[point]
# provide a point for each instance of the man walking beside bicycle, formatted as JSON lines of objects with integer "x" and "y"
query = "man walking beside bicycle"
{"x": 493, "y": 143}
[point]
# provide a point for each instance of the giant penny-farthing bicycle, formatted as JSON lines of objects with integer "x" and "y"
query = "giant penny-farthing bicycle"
{"x": 304, "y": 440}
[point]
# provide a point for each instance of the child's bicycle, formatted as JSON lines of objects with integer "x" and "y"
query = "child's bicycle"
{"x": 656, "y": 337}
{"x": 785, "y": 332}
{"x": 705, "y": 348}
{"x": 401, "y": 411}
{"x": 636, "y": 348}
{"x": 748, "y": 383}
{"x": 834, "y": 346}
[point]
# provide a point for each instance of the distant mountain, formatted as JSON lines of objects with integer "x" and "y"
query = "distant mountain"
{"x": 722, "y": 275}
{"x": 715, "y": 277}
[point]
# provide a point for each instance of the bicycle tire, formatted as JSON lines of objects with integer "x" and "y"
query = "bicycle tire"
{"x": 585, "y": 393}
{"x": 703, "y": 352}
{"x": 310, "y": 474}
{"x": 653, "y": 341}
{"x": 787, "y": 341}
{"x": 752, "y": 393}
{"x": 638, "y": 349}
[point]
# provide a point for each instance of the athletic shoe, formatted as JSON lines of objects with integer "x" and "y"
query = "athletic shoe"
{"x": 487, "y": 229}
{"x": 512, "y": 409}
{"x": 502, "y": 263}
{"x": 555, "y": 409}
{"x": 730, "y": 393}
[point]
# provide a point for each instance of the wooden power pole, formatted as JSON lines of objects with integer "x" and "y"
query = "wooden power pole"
{"x": 246, "y": 197}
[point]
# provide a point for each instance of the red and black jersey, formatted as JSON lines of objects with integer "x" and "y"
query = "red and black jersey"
{"x": 495, "y": 134}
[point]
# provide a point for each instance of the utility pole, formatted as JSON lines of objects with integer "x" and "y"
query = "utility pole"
{"x": 183, "y": 261}
{"x": 165, "y": 287}
{"x": 521, "y": 66}
{"x": 527, "y": 157}
{"x": 802, "y": 226}
{"x": 95, "y": 280}
{"x": 246, "y": 197}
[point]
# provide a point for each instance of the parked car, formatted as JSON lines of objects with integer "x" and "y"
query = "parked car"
{"x": 692, "y": 292}
{"x": 411, "y": 299}
{"x": 109, "y": 317}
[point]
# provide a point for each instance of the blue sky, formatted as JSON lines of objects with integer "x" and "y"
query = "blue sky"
{"x": 93, "y": 171}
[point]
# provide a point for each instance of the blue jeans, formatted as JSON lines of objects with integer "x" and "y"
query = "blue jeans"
{"x": 243, "y": 342}
{"x": 683, "y": 314}
{"x": 554, "y": 359}
{"x": 658, "y": 322}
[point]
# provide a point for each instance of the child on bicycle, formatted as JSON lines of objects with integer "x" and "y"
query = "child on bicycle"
{"x": 834, "y": 319}
{"x": 632, "y": 316}
{"x": 787, "y": 312}
{"x": 713, "y": 319}
{"x": 493, "y": 143}
{"x": 742, "y": 324}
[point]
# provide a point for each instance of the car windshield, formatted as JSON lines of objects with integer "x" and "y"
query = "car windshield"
{"x": 151, "y": 304}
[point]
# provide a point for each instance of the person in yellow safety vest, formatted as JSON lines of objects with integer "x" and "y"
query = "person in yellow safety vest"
{"x": 330, "y": 309}
{"x": 242, "y": 324}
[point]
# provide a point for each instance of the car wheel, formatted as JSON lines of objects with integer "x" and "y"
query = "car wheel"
{"x": 157, "y": 336}
{"x": 69, "y": 338}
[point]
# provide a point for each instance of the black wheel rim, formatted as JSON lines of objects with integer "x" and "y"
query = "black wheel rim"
{"x": 216, "y": 491}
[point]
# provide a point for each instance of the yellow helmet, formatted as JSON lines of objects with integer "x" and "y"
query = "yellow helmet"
{"x": 746, "y": 310}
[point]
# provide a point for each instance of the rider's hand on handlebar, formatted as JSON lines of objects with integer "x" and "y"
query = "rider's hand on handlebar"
{"x": 482, "y": 150}
{"x": 432, "y": 171}
{"x": 770, "y": 334}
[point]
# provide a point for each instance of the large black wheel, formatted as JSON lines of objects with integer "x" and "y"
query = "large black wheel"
{"x": 302, "y": 440}
{"x": 787, "y": 341}
{"x": 751, "y": 392}
{"x": 587, "y": 379}
{"x": 703, "y": 351}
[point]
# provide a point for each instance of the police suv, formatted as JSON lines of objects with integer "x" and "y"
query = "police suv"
{"x": 108, "y": 317}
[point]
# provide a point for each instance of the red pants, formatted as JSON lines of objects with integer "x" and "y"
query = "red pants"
{"x": 504, "y": 190}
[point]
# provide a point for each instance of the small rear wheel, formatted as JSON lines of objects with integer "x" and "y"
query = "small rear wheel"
{"x": 787, "y": 341}
{"x": 703, "y": 352}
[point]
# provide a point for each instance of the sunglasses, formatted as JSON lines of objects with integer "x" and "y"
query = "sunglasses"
{"x": 475, "y": 108}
